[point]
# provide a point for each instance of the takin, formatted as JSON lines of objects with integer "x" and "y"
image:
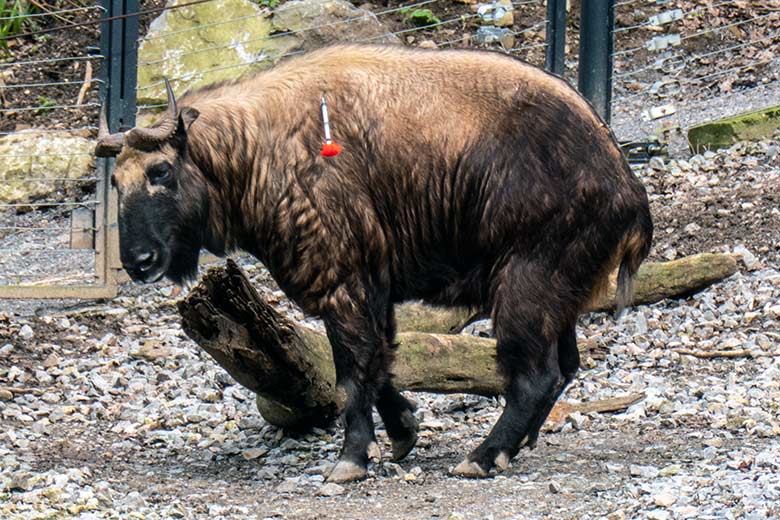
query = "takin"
{"x": 467, "y": 178}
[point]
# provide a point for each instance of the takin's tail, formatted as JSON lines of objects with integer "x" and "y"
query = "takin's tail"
{"x": 634, "y": 248}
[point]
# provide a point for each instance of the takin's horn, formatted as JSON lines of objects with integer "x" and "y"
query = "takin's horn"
{"x": 108, "y": 145}
{"x": 165, "y": 127}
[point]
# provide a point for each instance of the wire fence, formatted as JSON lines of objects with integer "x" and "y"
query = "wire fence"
{"x": 681, "y": 63}
{"x": 48, "y": 105}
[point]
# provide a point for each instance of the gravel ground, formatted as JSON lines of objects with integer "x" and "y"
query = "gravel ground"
{"x": 109, "y": 411}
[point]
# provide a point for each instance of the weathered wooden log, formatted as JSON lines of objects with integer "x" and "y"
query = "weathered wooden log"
{"x": 290, "y": 367}
{"x": 654, "y": 282}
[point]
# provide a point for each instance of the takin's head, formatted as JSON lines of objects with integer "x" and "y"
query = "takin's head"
{"x": 163, "y": 202}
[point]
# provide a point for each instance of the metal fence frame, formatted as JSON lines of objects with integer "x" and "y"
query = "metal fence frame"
{"x": 118, "y": 35}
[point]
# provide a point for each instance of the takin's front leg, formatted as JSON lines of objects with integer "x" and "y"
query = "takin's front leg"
{"x": 361, "y": 356}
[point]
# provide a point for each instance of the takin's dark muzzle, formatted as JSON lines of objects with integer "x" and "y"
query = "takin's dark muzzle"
{"x": 144, "y": 238}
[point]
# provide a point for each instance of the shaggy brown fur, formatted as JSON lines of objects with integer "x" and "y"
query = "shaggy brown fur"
{"x": 467, "y": 178}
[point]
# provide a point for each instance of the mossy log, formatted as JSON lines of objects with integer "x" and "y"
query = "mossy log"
{"x": 290, "y": 367}
{"x": 751, "y": 126}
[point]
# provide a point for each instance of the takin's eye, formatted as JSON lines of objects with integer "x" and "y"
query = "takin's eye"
{"x": 159, "y": 173}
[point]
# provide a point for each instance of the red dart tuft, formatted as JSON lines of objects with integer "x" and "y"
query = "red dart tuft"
{"x": 330, "y": 149}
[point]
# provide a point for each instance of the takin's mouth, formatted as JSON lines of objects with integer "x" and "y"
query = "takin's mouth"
{"x": 149, "y": 267}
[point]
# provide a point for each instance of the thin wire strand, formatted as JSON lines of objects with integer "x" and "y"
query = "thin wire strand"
{"x": 48, "y": 250}
{"x": 108, "y": 19}
{"x": 53, "y": 60}
{"x": 685, "y": 15}
{"x": 48, "y": 228}
{"x": 697, "y": 34}
{"x": 49, "y": 204}
{"x": 229, "y": 20}
{"x": 53, "y": 13}
{"x": 62, "y": 154}
{"x": 529, "y": 28}
{"x": 686, "y": 60}
{"x": 728, "y": 26}
{"x": 726, "y": 72}
{"x": 694, "y": 81}
{"x": 293, "y": 53}
{"x": 50, "y": 179}
{"x": 78, "y": 82}
{"x": 462, "y": 18}
{"x": 29, "y": 131}
{"x": 531, "y": 46}
{"x": 48, "y": 107}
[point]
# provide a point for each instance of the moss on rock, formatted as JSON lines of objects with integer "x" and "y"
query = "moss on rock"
{"x": 751, "y": 126}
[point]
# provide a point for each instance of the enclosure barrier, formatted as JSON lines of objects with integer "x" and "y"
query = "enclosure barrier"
{"x": 56, "y": 240}
{"x": 678, "y": 64}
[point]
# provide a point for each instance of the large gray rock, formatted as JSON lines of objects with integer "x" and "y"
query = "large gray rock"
{"x": 38, "y": 155}
{"x": 224, "y": 39}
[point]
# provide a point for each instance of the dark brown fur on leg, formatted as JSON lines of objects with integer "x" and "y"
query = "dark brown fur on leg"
{"x": 569, "y": 363}
{"x": 527, "y": 357}
{"x": 361, "y": 355}
{"x": 397, "y": 414}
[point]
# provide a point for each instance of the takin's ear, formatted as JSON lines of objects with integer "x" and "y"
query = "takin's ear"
{"x": 187, "y": 116}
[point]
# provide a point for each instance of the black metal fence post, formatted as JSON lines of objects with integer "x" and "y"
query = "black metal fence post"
{"x": 556, "y": 37}
{"x": 118, "y": 45}
{"x": 118, "y": 72}
{"x": 596, "y": 44}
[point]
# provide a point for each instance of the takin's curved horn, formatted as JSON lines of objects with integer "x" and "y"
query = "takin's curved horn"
{"x": 108, "y": 145}
{"x": 165, "y": 127}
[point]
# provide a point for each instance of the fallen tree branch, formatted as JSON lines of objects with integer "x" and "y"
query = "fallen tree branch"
{"x": 564, "y": 409}
{"x": 712, "y": 354}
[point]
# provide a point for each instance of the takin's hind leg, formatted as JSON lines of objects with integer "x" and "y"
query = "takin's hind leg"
{"x": 569, "y": 363}
{"x": 396, "y": 411}
{"x": 529, "y": 359}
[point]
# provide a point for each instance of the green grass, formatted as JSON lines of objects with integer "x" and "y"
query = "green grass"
{"x": 271, "y": 4}
{"x": 14, "y": 15}
{"x": 420, "y": 17}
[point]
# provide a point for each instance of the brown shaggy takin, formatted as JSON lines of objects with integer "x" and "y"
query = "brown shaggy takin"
{"x": 467, "y": 178}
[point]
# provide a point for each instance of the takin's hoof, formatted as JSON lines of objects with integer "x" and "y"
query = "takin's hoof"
{"x": 346, "y": 471}
{"x": 502, "y": 462}
{"x": 402, "y": 447}
{"x": 374, "y": 453}
{"x": 469, "y": 469}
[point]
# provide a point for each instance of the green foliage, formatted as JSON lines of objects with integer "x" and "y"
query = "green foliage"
{"x": 44, "y": 104}
{"x": 421, "y": 17}
{"x": 13, "y": 16}
{"x": 271, "y": 4}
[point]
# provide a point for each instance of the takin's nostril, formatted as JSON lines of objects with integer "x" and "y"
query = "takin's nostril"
{"x": 145, "y": 260}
